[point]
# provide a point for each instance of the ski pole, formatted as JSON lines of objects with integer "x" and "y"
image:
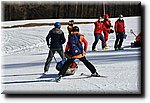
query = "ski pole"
{"x": 131, "y": 31}
{"x": 55, "y": 59}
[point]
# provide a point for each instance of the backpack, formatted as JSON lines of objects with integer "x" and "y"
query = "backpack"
{"x": 71, "y": 69}
{"x": 60, "y": 64}
{"x": 74, "y": 44}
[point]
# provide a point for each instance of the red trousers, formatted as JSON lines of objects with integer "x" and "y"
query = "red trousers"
{"x": 106, "y": 36}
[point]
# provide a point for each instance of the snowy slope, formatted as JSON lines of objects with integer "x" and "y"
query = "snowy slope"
{"x": 24, "y": 52}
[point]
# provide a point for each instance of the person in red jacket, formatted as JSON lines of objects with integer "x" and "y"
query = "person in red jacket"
{"x": 120, "y": 32}
{"x": 137, "y": 42}
{"x": 98, "y": 34}
{"x": 106, "y": 28}
{"x": 81, "y": 56}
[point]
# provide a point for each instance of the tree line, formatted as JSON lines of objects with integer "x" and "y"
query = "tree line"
{"x": 20, "y": 10}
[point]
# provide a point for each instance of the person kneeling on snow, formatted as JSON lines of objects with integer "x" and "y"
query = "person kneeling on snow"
{"x": 74, "y": 50}
{"x": 137, "y": 42}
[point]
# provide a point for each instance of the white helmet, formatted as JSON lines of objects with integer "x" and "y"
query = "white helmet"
{"x": 121, "y": 17}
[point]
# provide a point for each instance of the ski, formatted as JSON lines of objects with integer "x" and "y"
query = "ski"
{"x": 83, "y": 74}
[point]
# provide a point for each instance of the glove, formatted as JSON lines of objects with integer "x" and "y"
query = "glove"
{"x": 111, "y": 31}
{"x": 125, "y": 36}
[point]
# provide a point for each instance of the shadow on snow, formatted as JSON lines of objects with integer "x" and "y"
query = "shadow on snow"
{"x": 30, "y": 81}
{"x": 50, "y": 76}
{"x": 13, "y": 75}
{"x": 22, "y": 65}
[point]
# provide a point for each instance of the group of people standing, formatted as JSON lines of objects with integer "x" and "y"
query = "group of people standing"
{"x": 105, "y": 27}
{"x": 55, "y": 39}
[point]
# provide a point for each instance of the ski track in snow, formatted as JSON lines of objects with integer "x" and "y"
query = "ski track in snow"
{"x": 24, "y": 52}
{"x": 25, "y": 40}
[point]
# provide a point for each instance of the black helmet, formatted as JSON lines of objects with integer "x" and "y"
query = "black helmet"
{"x": 75, "y": 29}
{"x": 71, "y": 21}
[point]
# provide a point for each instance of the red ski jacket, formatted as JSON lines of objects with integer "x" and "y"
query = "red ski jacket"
{"x": 119, "y": 26}
{"x": 106, "y": 25}
{"x": 138, "y": 37}
{"x": 98, "y": 28}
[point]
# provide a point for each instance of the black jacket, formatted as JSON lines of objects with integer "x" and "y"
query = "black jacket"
{"x": 55, "y": 38}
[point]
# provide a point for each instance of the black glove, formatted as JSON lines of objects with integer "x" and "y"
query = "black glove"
{"x": 124, "y": 35}
{"x": 111, "y": 31}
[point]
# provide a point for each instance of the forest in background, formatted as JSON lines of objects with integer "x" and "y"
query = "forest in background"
{"x": 19, "y": 10}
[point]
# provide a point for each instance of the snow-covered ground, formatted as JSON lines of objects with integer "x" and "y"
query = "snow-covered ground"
{"x": 24, "y": 52}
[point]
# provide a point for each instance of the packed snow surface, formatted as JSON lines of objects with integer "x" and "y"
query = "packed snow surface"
{"x": 24, "y": 52}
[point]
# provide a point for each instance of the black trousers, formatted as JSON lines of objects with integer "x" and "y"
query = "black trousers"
{"x": 119, "y": 40}
{"x": 69, "y": 61}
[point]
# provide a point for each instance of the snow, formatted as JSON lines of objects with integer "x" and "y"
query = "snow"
{"x": 24, "y": 52}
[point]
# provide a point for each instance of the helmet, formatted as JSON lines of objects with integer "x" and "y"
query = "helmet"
{"x": 75, "y": 29}
{"x": 120, "y": 16}
{"x": 100, "y": 19}
{"x": 106, "y": 16}
{"x": 57, "y": 25}
{"x": 71, "y": 21}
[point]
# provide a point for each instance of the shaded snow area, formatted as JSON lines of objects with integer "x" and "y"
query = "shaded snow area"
{"x": 24, "y": 52}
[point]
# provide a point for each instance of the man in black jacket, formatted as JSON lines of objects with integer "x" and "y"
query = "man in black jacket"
{"x": 54, "y": 39}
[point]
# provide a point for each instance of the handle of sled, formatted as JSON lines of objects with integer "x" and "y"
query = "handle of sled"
{"x": 55, "y": 59}
{"x": 131, "y": 31}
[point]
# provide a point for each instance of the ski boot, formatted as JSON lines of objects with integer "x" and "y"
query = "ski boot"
{"x": 58, "y": 78}
{"x": 132, "y": 45}
{"x": 95, "y": 75}
{"x": 45, "y": 72}
{"x": 120, "y": 49}
{"x": 93, "y": 50}
{"x": 105, "y": 48}
{"x": 116, "y": 49}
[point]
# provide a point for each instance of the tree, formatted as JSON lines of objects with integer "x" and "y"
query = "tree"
{"x": 38, "y": 10}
